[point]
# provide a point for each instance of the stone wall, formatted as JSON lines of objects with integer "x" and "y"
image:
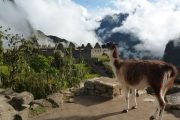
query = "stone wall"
{"x": 102, "y": 86}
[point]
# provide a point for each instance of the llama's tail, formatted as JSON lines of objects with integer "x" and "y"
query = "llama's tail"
{"x": 170, "y": 74}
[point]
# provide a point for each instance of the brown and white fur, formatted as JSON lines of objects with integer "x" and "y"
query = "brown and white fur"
{"x": 140, "y": 74}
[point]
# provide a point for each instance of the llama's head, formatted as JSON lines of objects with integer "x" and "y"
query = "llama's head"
{"x": 110, "y": 49}
{"x": 109, "y": 45}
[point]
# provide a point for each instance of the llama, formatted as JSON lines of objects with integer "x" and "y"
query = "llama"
{"x": 140, "y": 74}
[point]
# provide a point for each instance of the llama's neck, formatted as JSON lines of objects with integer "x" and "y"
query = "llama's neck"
{"x": 114, "y": 56}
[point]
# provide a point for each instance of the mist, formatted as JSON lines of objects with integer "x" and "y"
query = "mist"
{"x": 62, "y": 18}
{"x": 14, "y": 18}
{"x": 154, "y": 23}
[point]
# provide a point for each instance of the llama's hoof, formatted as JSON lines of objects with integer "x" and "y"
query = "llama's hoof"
{"x": 134, "y": 107}
{"x": 152, "y": 118}
{"x": 125, "y": 111}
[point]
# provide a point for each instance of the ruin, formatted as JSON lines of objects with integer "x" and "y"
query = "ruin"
{"x": 85, "y": 52}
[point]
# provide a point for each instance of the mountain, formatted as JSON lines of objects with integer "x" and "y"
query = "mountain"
{"x": 44, "y": 39}
{"x": 57, "y": 39}
{"x": 172, "y": 52}
{"x": 126, "y": 41}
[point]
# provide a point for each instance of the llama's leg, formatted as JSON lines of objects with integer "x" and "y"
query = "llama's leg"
{"x": 135, "y": 101}
{"x": 153, "y": 117}
{"x": 159, "y": 110}
{"x": 162, "y": 104}
{"x": 127, "y": 92}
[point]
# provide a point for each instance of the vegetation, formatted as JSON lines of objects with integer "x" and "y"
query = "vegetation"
{"x": 24, "y": 68}
{"x": 103, "y": 62}
{"x": 36, "y": 111}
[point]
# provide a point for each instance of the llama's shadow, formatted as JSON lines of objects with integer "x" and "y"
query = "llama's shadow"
{"x": 87, "y": 100}
{"x": 175, "y": 112}
{"x": 173, "y": 90}
{"x": 98, "y": 117}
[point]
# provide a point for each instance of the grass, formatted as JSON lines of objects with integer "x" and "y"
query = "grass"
{"x": 89, "y": 76}
{"x": 36, "y": 111}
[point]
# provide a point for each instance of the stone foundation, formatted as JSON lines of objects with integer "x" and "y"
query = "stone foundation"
{"x": 102, "y": 86}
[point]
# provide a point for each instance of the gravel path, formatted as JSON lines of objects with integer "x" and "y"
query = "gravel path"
{"x": 97, "y": 108}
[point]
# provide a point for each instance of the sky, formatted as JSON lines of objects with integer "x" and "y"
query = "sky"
{"x": 154, "y": 22}
{"x": 95, "y": 4}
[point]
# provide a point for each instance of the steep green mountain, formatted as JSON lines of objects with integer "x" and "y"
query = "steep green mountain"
{"x": 172, "y": 52}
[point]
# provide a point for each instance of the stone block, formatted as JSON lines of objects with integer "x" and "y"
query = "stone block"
{"x": 102, "y": 86}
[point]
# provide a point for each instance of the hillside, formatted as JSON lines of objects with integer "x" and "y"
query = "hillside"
{"x": 126, "y": 41}
{"x": 44, "y": 39}
{"x": 172, "y": 52}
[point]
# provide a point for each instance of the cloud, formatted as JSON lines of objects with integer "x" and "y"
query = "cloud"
{"x": 63, "y": 18}
{"x": 154, "y": 23}
{"x": 12, "y": 17}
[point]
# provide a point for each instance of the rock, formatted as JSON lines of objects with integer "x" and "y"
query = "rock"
{"x": 67, "y": 93}
{"x": 102, "y": 86}
{"x": 34, "y": 106}
{"x": 23, "y": 98}
{"x": 56, "y": 99}
{"x": 25, "y": 105}
{"x": 7, "y": 91}
{"x": 150, "y": 91}
{"x": 1, "y": 90}
{"x": 24, "y": 114}
{"x": 42, "y": 103}
{"x": 81, "y": 85}
{"x": 79, "y": 92}
{"x": 3, "y": 98}
{"x": 141, "y": 92}
{"x": 149, "y": 100}
{"x": 7, "y": 112}
{"x": 71, "y": 100}
{"x": 174, "y": 89}
{"x": 89, "y": 85}
{"x": 173, "y": 100}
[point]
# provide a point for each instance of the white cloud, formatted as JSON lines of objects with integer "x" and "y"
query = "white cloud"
{"x": 12, "y": 17}
{"x": 63, "y": 18}
{"x": 154, "y": 23}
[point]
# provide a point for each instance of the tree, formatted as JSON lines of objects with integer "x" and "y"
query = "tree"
{"x": 41, "y": 63}
{"x": 1, "y": 45}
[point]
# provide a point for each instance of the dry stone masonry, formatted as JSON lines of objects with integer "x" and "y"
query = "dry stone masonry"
{"x": 102, "y": 86}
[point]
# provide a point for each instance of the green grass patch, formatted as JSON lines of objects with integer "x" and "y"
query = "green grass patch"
{"x": 89, "y": 76}
{"x": 36, "y": 111}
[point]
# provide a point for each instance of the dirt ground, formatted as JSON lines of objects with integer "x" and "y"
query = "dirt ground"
{"x": 98, "y": 108}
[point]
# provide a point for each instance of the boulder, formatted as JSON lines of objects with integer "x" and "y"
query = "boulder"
{"x": 1, "y": 90}
{"x": 3, "y": 98}
{"x": 42, "y": 103}
{"x": 71, "y": 100}
{"x": 56, "y": 99}
{"x": 68, "y": 93}
{"x": 23, "y": 115}
{"x": 102, "y": 86}
{"x": 173, "y": 100}
{"x": 7, "y": 112}
{"x": 21, "y": 100}
{"x": 8, "y": 91}
{"x": 34, "y": 106}
{"x": 89, "y": 84}
{"x": 141, "y": 92}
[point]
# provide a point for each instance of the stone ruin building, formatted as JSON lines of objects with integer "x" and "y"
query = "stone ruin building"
{"x": 85, "y": 52}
